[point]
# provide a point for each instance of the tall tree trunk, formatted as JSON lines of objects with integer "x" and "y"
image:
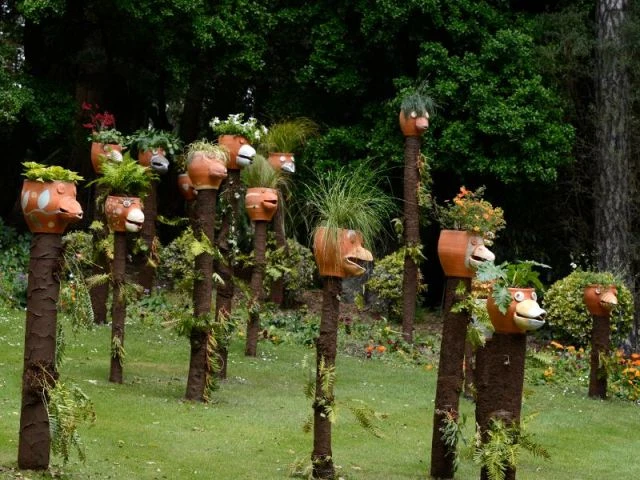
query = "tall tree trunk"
{"x": 500, "y": 381}
{"x": 600, "y": 339}
{"x": 257, "y": 288}
{"x": 613, "y": 183}
{"x": 191, "y": 113}
{"x": 411, "y": 235}
{"x": 224, "y": 292}
{"x": 326, "y": 349}
{"x": 147, "y": 271}
{"x": 450, "y": 378}
{"x": 200, "y": 362}
{"x": 277, "y": 287}
{"x": 118, "y": 305}
{"x": 99, "y": 294}
{"x": 43, "y": 288}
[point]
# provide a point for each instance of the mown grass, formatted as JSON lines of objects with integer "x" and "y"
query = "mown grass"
{"x": 253, "y": 427}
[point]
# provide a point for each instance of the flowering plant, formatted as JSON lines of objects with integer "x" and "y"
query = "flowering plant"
{"x": 469, "y": 211}
{"x": 102, "y": 125}
{"x": 235, "y": 124}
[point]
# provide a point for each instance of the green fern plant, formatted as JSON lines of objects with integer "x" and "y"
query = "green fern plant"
{"x": 68, "y": 407}
{"x": 127, "y": 177}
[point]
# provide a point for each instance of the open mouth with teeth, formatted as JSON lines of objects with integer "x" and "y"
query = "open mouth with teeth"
{"x": 529, "y": 316}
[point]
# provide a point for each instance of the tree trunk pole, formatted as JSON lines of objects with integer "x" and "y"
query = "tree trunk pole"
{"x": 118, "y": 305}
{"x": 39, "y": 369}
{"x": 500, "y": 381}
{"x": 600, "y": 342}
{"x": 100, "y": 293}
{"x": 147, "y": 272}
{"x": 411, "y": 235}
{"x": 200, "y": 363}
{"x": 277, "y": 288}
{"x": 225, "y": 268}
{"x": 450, "y": 378}
{"x": 257, "y": 288}
{"x": 326, "y": 349}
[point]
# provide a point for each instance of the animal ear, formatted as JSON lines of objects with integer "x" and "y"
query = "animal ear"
{"x": 60, "y": 188}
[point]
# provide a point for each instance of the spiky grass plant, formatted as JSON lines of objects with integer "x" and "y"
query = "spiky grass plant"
{"x": 416, "y": 100}
{"x": 288, "y": 136}
{"x": 213, "y": 149}
{"x": 127, "y": 177}
{"x": 261, "y": 174}
{"x": 350, "y": 199}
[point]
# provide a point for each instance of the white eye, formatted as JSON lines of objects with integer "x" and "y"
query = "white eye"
{"x": 414, "y": 115}
{"x": 598, "y": 291}
{"x": 518, "y": 296}
{"x": 534, "y": 296}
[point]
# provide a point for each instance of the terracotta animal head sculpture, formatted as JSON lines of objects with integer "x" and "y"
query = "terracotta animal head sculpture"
{"x": 124, "y": 214}
{"x": 49, "y": 207}
{"x": 261, "y": 203}
{"x": 155, "y": 158}
{"x": 338, "y": 256}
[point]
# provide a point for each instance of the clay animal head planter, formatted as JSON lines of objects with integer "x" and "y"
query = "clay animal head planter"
{"x": 124, "y": 214}
{"x": 239, "y": 155}
{"x": 600, "y": 299}
{"x": 523, "y": 315}
{"x": 283, "y": 161}
{"x": 338, "y": 256}
{"x": 461, "y": 253}
{"x": 414, "y": 124}
{"x": 48, "y": 207}
{"x": 186, "y": 187}
{"x": 261, "y": 203}
{"x": 101, "y": 152}
{"x": 206, "y": 171}
{"x": 155, "y": 159}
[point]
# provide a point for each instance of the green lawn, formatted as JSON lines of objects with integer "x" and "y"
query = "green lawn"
{"x": 253, "y": 428}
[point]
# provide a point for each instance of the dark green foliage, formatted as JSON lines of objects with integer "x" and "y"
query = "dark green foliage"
{"x": 14, "y": 259}
{"x": 145, "y": 139}
{"x": 295, "y": 266}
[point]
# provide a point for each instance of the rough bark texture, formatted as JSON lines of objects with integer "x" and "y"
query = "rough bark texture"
{"x": 224, "y": 292}
{"x": 614, "y": 180}
{"x": 43, "y": 288}
{"x": 146, "y": 271}
{"x": 118, "y": 304}
{"x": 277, "y": 288}
{"x": 199, "y": 364}
{"x": 411, "y": 235}
{"x": 450, "y": 378}
{"x": 100, "y": 293}
{"x": 326, "y": 346}
{"x": 600, "y": 341}
{"x": 499, "y": 383}
{"x": 257, "y": 289}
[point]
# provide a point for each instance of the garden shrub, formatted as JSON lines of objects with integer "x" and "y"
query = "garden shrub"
{"x": 296, "y": 266}
{"x": 384, "y": 287}
{"x": 14, "y": 261}
{"x": 568, "y": 317}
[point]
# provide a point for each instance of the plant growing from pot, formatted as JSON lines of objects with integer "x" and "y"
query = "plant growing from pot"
{"x": 106, "y": 141}
{"x": 580, "y": 307}
{"x": 283, "y": 139}
{"x": 206, "y": 165}
{"x": 346, "y": 209}
{"x": 49, "y": 206}
{"x": 151, "y": 147}
{"x": 467, "y": 220}
{"x": 124, "y": 184}
{"x": 261, "y": 202}
{"x": 415, "y": 107}
{"x": 237, "y": 135}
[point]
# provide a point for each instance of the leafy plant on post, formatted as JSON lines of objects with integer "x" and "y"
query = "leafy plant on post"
{"x": 206, "y": 165}
{"x": 513, "y": 310}
{"x": 123, "y": 183}
{"x": 49, "y": 205}
{"x": 347, "y": 209}
{"x": 415, "y": 108}
{"x": 460, "y": 251}
{"x": 261, "y": 203}
{"x": 151, "y": 146}
{"x": 281, "y": 143}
